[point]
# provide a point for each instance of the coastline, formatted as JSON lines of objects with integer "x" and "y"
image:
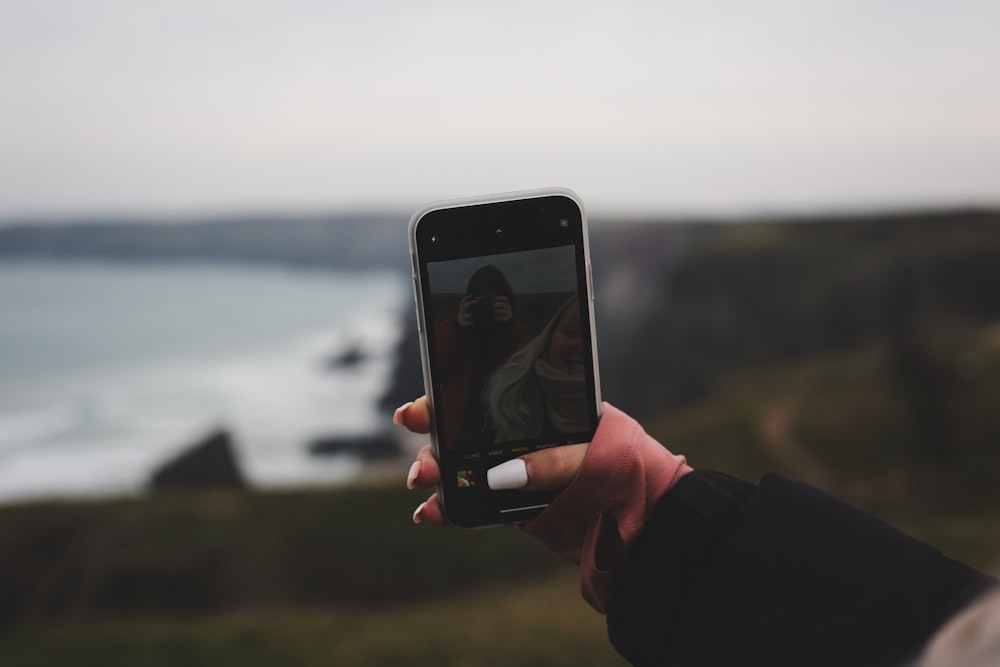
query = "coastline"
{"x": 276, "y": 358}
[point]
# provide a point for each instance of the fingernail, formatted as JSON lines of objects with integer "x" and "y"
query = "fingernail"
{"x": 397, "y": 416}
{"x": 411, "y": 476}
{"x": 416, "y": 512}
{"x": 511, "y": 474}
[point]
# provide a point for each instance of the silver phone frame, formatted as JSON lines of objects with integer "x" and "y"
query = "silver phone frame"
{"x": 496, "y": 198}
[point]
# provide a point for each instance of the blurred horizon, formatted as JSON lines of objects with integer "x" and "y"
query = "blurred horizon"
{"x": 600, "y": 217}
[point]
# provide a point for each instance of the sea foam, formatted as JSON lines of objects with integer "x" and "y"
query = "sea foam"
{"x": 256, "y": 357}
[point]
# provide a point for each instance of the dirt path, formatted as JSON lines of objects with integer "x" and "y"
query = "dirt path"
{"x": 776, "y": 425}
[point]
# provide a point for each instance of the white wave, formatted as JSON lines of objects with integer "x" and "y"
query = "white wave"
{"x": 103, "y": 432}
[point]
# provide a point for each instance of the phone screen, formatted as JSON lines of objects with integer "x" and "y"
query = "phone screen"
{"x": 505, "y": 310}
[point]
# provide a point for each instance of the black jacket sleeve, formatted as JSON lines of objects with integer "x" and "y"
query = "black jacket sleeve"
{"x": 726, "y": 573}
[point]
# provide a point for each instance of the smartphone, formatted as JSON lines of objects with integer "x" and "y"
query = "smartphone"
{"x": 506, "y": 320}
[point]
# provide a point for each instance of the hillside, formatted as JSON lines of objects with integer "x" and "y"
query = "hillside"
{"x": 859, "y": 354}
{"x": 333, "y": 241}
{"x": 747, "y": 295}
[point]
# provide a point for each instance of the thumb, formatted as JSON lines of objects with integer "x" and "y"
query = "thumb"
{"x": 544, "y": 470}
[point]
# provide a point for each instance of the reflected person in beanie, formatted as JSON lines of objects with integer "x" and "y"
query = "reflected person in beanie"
{"x": 470, "y": 346}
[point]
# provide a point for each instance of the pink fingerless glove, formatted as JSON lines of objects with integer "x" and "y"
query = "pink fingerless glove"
{"x": 595, "y": 520}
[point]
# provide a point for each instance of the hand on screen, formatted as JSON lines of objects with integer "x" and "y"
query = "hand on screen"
{"x": 465, "y": 319}
{"x": 501, "y": 310}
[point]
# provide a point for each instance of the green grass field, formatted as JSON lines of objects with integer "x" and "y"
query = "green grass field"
{"x": 340, "y": 577}
{"x": 539, "y": 622}
{"x": 853, "y": 424}
{"x": 436, "y": 596}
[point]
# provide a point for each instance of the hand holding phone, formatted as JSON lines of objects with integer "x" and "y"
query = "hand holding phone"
{"x": 505, "y": 316}
{"x": 548, "y": 469}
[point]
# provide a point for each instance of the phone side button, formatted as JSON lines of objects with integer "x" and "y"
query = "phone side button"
{"x": 416, "y": 299}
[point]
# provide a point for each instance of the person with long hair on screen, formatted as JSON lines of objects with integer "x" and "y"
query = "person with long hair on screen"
{"x": 541, "y": 390}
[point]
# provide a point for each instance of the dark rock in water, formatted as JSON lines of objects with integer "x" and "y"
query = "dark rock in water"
{"x": 210, "y": 463}
{"x": 349, "y": 358}
{"x": 368, "y": 447}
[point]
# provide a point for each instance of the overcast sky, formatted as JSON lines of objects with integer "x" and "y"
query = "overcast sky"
{"x": 177, "y": 107}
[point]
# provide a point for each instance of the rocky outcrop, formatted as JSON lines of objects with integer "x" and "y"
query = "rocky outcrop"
{"x": 210, "y": 463}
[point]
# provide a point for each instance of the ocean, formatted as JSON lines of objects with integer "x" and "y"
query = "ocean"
{"x": 107, "y": 370}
